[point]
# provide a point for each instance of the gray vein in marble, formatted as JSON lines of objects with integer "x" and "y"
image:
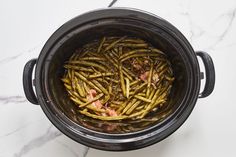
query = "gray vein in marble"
{"x": 192, "y": 25}
{"x": 11, "y": 58}
{"x": 86, "y": 151}
{"x": 75, "y": 154}
{"x": 38, "y": 142}
{"x": 112, "y": 3}
{"x": 12, "y": 99}
{"x": 231, "y": 16}
{"x": 19, "y": 129}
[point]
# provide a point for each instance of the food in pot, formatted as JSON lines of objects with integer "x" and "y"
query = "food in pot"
{"x": 118, "y": 78}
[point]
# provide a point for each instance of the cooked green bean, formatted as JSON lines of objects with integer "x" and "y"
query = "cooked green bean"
{"x": 111, "y": 79}
{"x": 127, "y": 87}
{"x": 102, "y": 117}
{"x": 140, "y": 88}
{"x": 149, "y": 80}
{"x": 86, "y": 88}
{"x": 116, "y": 65}
{"x": 101, "y": 75}
{"x": 129, "y": 105}
{"x": 80, "y": 89}
{"x": 67, "y": 86}
{"x": 101, "y": 44}
{"x": 92, "y": 59}
{"x": 134, "y": 52}
{"x": 135, "y": 82}
{"x": 66, "y": 80}
{"x": 130, "y": 110}
{"x": 118, "y": 78}
{"x": 86, "y": 81}
{"x": 140, "y": 55}
{"x": 114, "y": 43}
{"x": 97, "y": 84}
{"x": 78, "y": 68}
{"x": 112, "y": 52}
{"x": 122, "y": 82}
{"x": 142, "y": 98}
{"x": 86, "y": 63}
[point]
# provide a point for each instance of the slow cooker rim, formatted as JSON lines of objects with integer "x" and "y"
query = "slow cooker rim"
{"x": 50, "y": 43}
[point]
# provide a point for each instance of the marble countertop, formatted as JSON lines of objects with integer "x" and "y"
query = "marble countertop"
{"x": 26, "y": 25}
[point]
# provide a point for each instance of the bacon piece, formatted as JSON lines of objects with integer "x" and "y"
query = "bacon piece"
{"x": 111, "y": 112}
{"x": 144, "y": 76}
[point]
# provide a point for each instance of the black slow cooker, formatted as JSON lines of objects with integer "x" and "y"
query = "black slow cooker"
{"x": 51, "y": 96}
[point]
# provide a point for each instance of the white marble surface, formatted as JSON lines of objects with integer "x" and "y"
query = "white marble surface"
{"x": 26, "y": 25}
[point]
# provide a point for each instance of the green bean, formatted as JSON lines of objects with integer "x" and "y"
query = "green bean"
{"x": 142, "y": 98}
{"x": 128, "y": 73}
{"x": 91, "y": 101}
{"x": 102, "y": 80}
{"x": 110, "y": 89}
{"x": 92, "y": 54}
{"x": 151, "y": 94}
{"x": 135, "y": 82}
{"x": 169, "y": 78}
{"x": 102, "y": 117}
{"x": 96, "y": 109}
{"x": 114, "y": 53}
{"x": 97, "y": 84}
{"x": 113, "y": 44}
{"x": 84, "y": 53}
{"x": 101, "y": 75}
{"x": 127, "y": 87}
{"x": 114, "y": 106}
{"x": 133, "y": 52}
{"x": 92, "y": 59}
{"x": 122, "y": 82}
{"x": 77, "y": 101}
{"x": 157, "y": 51}
{"x": 149, "y": 80}
{"x": 149, "y": 107}
{"x": 101, "y": 44}
{"x": 140, "y": 55}
{"x": 89, "y": 64}
{"x": 130, "y": 110}
{"x": 141, "y": 87}
{"x": 78, "y": 68}
{"x": 69, "y": 74}
{"x": 66, "y": 80}
{"x": 86, "y": 88}
{"x": 137, "y": 45}
{"x": 128, "y": 106}
{"x": 80, "y": 89}
{"x": 116, "y": 65}
{"x": 139, "y": 107}
{"x": 136, "y": 114}
{"x": 137, "y": 41}
{"x": 67, "y": 86}
{"x": 157, "y": 103}
{"x": 111, "y": 79}
{"x": 120, "y": 51}
{"x": 88, "y": 82}
{"x": 106, "y": 99}
{"x": 141, "y": 94}
{"x": 122, "y": 106}
{"x": 77, "y": 96}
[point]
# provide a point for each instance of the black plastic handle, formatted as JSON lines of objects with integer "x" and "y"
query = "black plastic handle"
{"x": 210, "y": 74}
{"x": 27, "y": 81}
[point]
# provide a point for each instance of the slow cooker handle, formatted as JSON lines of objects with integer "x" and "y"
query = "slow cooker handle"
{"x": 27, "y": 81}
{"x": 210, "y": 74}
